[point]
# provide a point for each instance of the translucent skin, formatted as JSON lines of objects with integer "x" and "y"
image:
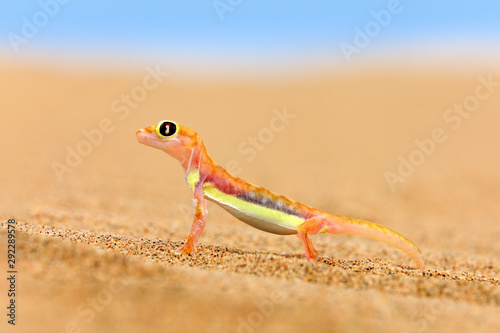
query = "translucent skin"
{"x": 255, "y": 205}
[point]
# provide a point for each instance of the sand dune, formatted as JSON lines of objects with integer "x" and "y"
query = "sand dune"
{"x": 97, "y": 214}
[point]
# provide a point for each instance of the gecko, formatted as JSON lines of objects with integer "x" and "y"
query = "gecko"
{"x": 253, "y": 204}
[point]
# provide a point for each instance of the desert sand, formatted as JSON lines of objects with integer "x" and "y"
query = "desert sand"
{"x": 97, "y": 213}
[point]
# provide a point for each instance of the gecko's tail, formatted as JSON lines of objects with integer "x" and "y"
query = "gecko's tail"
{"x": 377, "y": 232}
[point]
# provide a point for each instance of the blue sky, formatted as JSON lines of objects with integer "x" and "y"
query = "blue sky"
{"x": 249, "y": 32}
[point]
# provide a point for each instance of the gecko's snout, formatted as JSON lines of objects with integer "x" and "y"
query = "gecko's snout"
{"x": 140, "y": 135}
{"x": 146, "y": 137}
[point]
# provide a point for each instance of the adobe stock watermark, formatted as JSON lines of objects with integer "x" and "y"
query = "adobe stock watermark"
{"x": 250, "y": 147}
{"x": 223, "y": 6}
{"x": 263, "y": 310}
{"x": 88, "y": 310}
{"x": 122, "y": 107}
{"x": 32, "y": 25}
{"x": 453, "y": 117}
{"x": 363, "y": 36}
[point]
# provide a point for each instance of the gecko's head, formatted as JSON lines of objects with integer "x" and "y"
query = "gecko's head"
{"x": 172, "y": 138}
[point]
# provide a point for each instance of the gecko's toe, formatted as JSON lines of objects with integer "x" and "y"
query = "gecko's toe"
{"x": 184, "y": 249}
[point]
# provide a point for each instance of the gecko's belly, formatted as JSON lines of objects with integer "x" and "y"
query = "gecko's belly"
{"x": 259, "y": 222}
{"x": 260, "y": 217}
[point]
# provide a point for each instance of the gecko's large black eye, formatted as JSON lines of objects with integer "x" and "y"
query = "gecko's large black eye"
{"x": 166, "y": 129}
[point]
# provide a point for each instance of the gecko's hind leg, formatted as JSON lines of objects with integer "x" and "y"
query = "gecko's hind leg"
{"x": 311, "y": 226}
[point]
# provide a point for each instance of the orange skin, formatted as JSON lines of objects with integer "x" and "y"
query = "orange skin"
{"x": 187, "y": 147}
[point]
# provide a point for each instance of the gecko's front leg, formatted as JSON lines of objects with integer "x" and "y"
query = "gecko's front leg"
{"x": 200, "y": 219}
